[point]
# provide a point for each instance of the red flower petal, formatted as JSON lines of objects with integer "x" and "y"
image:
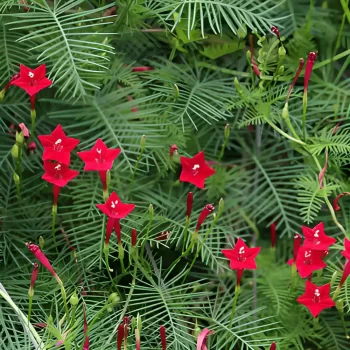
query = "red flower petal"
{"x": 202, "y": 339}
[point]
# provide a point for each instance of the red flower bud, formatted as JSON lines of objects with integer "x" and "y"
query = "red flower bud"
{"x": 133, "y": 237}
{"x": 273, "y": 235}
{"x": 301, "y": 65}
{"x": 163, "y": 236}
{"x": 308, "y": 70}
{"x": 273, "y": 346}
{"x": 173, "y": 149}
{"x": 202, "y": 339}
{"x": 297, "y": 243}
{"x": 346, "y": 273}
{"x": 275, "y": 31}
{"x": 87, "y": 341}
{"x": 120, "y": 336}
{"x": 32, "y": 147}
{"x": 34, "y": 275}
{"x": 41, "y": 257}
{"x": 142, "y": 69}
{"x": 189, "y": 204}
{"x": 336, "y": 206}
{"x": 203, "y": 215}
{"x": 323, "y": 171}
{"x": 163, "y": 337}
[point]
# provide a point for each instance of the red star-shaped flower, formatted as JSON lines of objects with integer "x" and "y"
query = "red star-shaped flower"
{"x": 32, "y": 80}
{"x": 57, "y": 146}
{"x": 316, "y": 298}
{"x": 346, "y": 251}
{"x": 58, "y": 173}
{"x": 115, "y": 208}
{"x": 309, "y": 260}
{"x": 241, "y": 256}
{"x": 195, "y": 170}
{"x": 100, "y": 157}
{"x": 316, "y": 239}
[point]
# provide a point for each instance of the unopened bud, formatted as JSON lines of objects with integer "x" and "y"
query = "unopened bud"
{"x": 238, "y": 87}
{"x": 15, "y": 151}
{"x": 249, "y": 55}
{"x": 133, "y": 237}
{"x": 334, "y": 277}
{"x": 151, "y": 211}
{"x": 74, "y": 299}
{"x": 113, "y": 299}
{"x": 139, "y": 322}
{"x": 16, "y": 179}
{"x": 177, "y": 91}
{"x": 285, "y": 113}
{"x": 143, "y": 143}
{"x": 120, "y": 251}
{"x": 19, "y": 137}
{"x": 339, "y": 304}
{"x": 242, "y": 33}
{"x": 227, "y": 131}
{"x": 41, "y": 242}
{"x": 196, "y": 331}
{"x": 281, "y": 70}
{"x": 221, "y": 206}
{"x": 281, "y": 52}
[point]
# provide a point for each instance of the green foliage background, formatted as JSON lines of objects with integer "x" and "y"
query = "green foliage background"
{"x": 197, "y": 48}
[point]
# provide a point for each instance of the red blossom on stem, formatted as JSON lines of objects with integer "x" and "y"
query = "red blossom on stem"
{"x": 346, "y": 252}
{"x": 120, "y": 336}
{"x": 346, "y": 273}
{"x": 34, "y": 275}
{"x": 173, "y": 149}
{"x": 189, "y": 204}
{"x": 32, "y": 80}
{"x": 87, "y": 341}
{"x": 57, "y": 146}
{"x": 202, "y": 339}
{"x": 273, "y": 234}
{"x": 203, "y": 215}
{"x": 275, "y": 31}
{"x": 142, "y": 69}
{"x": 58, "y": 174}
{"x": 41, "y": 257}
{"x": 336, "y": 206}
{"x": 316, "y": 298}
{"x": 301, "y": 65}
{"x": 241, "y": 256}
{"x": 308, "y": 70}
{"x": 162, "y": 337}
{"x": 315, "y": 238}
{"x": 115, "y": 209}
{"x": 13, "y": 78}
{"x": 308, "y": 261}
{"x": 195, "y": 170}
{"x": 323, "y": 171}
{"x": 133, "y": 237}
{"x": 273, "y": 346}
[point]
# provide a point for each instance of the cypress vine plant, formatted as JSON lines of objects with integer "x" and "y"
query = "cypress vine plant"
{"x": 212, "y": 137}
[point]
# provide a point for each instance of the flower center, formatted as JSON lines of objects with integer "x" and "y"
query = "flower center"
{"x": 58, "y": 172}
{"x": 195, "y": 169}
{"x": 241, "y": 256}
{"x": 58, "y": 147}
{"x": 307, "y": 256}
{"x": 98, "y": 157}
{"x": 114, "y": 206}
{"x": 317, "y": 295}
{"x": 316, "y": 237}
{"x": 31, "y": 76}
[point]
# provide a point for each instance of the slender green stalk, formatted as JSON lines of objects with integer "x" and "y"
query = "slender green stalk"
{"x": 53, "y": 227}
{"x": 234, "y": 305}
{"x": 72, "y": 319}
{"x": 106, "y": 250}
{"x": 103, "y": 234}
{"x": 185, "y": 234}
{"x": 30, "y": 303}
{"x": 33, "y": 117}
{"x": 64, "y": 297}
{"x": 285, "y": 134}
{"x": 291, "y": 128}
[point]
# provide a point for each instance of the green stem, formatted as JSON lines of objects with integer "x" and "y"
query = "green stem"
{"x": 234, "y": 305}
{"x": 147, "y": 234}
{"x": 284, "y": 134}
{"x": 103, "y": 234}
{"x": 222, "y": 150}
{"x": 135, "y": 168}
{"x": 106, "y": 250}
{"x": 344, "y": 324}
{"x": 291, "y": 128}
{"x": 30, "y": 306}
{"x": 72, "y": 320}
{"x": 23, "y": 319}
{"x": 185, "y": 234}
{"x": 33, "y": 117}
{"x": 64, "y": 297}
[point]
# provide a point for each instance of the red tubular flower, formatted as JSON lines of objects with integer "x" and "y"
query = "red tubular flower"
{"x": 115, "y": 209}
{"x": 308, "y": 261}
{"x": 117, "y": 230}
{"x": 316, "y": 239}
{"x": 24, "y": 129}
{"x": 241, "y": 256}
{"x": 323, "y": 171}
{"x": 297, "y": 243}
{"x": 133, "y": 237}
{"x": 316, "y": 298}
{"x": 87, "y": 341}
{"x": 120, "y": 336}
{"x": 346, "y": 251}
{"x": 173, "y": 149}
{"x": 13, "y": 78}
{"x": 138, "y": 340}
{"x": 41, "y": 257}
{"x": 273, "y": 346}
{"x": 203, "y": 215}
{"x": 336, "y": 206}
{"x": 273, "y": 234}
{"x": 195, "y": 170}
{"x": 275, "y": 31}
{"x": 32, "y": 80}
{"x": 346, "y": 273}
{"x": 308, "y": 70}
{"x": 142, "y": 69}
{"x": 301, "y": 65}
{"x": 57, "y": 146}
{"x": 33, "y": 278}
{"x": 239, "y": 274}
{"x": 202, "y": 339}
{"x": 163, "y": 236}
{"x": 162, "y": 337}
{"x": 58, "y": 174}
{"x": 189, "y": 204}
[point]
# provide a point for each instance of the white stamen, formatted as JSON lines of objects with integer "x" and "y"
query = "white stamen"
{"x": 307, "y": 253}
{"x": 241, "y": 250}
{"x": 58, "y": 167}
{"x": 58, "y": 141}
{"x": 31, "y": 75}
{"x": 195, "y": 167}
{"x": 317, "y": 292}
{"x": 98, "y": 151}
{"x": 316, "y": 233}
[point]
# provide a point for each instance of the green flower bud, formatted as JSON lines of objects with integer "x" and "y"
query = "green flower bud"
{"x": 74, "y": 299}
{"x": 41, "y": 242}
{"x": 281, "y": 70}
{"x": 242, "y": 33}
{"x": 133, "y": 323}
{"x": 120, "y": 251}
{"x": 238, "y": 87}
{"x": 15, "y": 151}
{"x": 197, "y": 331}
{"x": 285, "y": 113}
{"x": 227, "y": 131}
{"x": 221, "y": 206}
{"x": 16, "y": 179}
{"x": 139, "y": 322}
{"x": 281, "y": 52}
{"x": 339, "y": 304}
{"x": 143, "y": 142}
{"x": 334, "y": 277}
{"x": 177, "y": 91}
{"x": 113, "y": 299}
{"x": 151, "y": 211}
{"x": 249, "y": 55}
{"x": 19, "y": 137}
